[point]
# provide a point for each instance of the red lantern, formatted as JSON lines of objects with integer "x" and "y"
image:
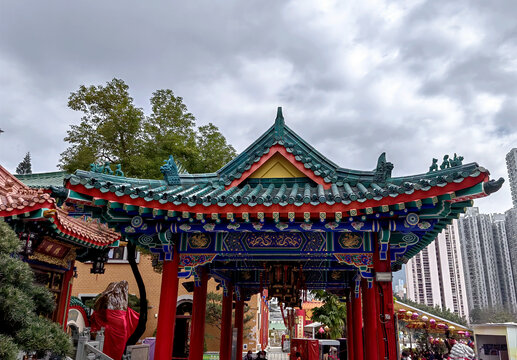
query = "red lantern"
{"x": 402, "y": 314}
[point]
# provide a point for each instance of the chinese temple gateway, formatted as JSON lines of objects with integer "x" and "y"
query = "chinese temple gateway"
{"x": 280, "y": 219}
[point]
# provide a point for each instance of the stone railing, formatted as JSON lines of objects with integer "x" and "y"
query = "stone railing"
{"x": 88, "y": 349}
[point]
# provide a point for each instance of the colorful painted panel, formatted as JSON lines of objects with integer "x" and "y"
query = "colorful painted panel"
{"x": 358, "y": 260}
{"x": 350, "y": 240}
{"x": 270, "y": 240}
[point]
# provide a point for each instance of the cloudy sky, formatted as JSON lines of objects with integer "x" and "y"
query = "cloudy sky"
{"x": 417, "y": 79}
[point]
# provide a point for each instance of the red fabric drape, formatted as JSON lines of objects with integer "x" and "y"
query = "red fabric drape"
{"x": 118, "y": 327}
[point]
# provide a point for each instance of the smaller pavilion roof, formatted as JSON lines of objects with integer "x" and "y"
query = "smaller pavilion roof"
{"x": 18, "y": 200}
{"x": 43, "y": 180}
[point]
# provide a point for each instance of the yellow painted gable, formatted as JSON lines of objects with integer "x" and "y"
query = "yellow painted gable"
{"x": 277, "y": 167}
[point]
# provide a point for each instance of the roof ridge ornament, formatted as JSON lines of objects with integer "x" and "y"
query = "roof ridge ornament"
{"x": 492, "y": 186}
{"x": 170, "y": 171}
{"x": 279, "y": 124}
{"x": 383, "y": 170}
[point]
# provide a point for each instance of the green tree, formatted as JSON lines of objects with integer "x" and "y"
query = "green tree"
{"x": 332, "y": 313}
{"x": 492, "y": 315}
{"x": 170, "y": 129}
{"x": 214, "y": 151}
{"x": 23, "y": 305}
{"x": 214, "y": 310}
{"x": 25, "y": 167}
{"x": 110, "y": 129}
{"x": 113, "y": 130}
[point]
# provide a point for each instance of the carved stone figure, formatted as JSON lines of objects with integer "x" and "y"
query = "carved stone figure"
{"x": 383, "y": 169}
{"x": 96, "y": 168}
{"x": 118, "y": 170}
{"x": 445, "y": 163}
{"x": 170, "y": 171}
{"x": 114, "y": 297}
{"x": 107, "y": 168}
{"x": 434, "y": 165}
{"x": 456, "y": 161}
{"x": 113, "y": 314}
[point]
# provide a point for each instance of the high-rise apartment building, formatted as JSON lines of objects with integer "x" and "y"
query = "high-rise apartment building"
{"x": 485, "y": 252}
{"x": 435, "y": 275}
{"x": 511, "y": 235}
{"x": 511, "y": 165}
{"x": 504, "y": 265}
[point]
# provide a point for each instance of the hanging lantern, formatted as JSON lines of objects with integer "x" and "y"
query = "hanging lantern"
{"x": 327, "y": 329}
{"x": 467, "y": 334}
{"x": 425, "y": 318}
{"x": 442, "y": 326}
{"x": 98, "y": 263}
{"x": 409, "y": 314}
{"x": 452, "y": 328}
{"x": 415, "y": 316}
{"x": 402, "y": 314}
{"x": 321, "y": 331}
{"x": 432, "y": 323}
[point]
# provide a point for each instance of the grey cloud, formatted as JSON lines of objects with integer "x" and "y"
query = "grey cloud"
{"x": 414, "y": 95}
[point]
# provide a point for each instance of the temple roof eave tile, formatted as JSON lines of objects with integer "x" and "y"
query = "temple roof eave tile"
{"x": 300, "y": 194}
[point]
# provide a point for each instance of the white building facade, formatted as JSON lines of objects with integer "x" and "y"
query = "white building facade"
{"x": 486, "y": 256}
{"x": 511, "y": 235}
{"x": 511, "y": 165}
{"x": 435, "y": 276}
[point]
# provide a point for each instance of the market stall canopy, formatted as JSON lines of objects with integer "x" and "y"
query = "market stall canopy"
{"x": 398, "y": 305}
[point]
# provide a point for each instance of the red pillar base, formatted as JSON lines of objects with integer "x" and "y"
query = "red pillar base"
{"x": 197, "y": 332}
{"x": 371, "y": 319}
{"x": 358, "y": 325}
{"x": 225, "y": 345}
{"x": 349, "y": 327}
{"x": 239, "y": 324}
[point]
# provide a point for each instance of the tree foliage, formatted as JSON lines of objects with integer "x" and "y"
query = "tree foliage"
{"x": 23, "y": 305}
{"x": 332, "y": 313}
{"x": 114, "y": 130}
{"x": 436, "y": 310}
{"x": 25, "y": 167}
{"x": 214, "y": 310}
{"x": 492, "y": 315}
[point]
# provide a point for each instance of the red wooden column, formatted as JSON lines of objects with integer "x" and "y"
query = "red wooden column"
{"x": 349, "y": 327}
{"x": 197, "y": 328}
{"x": 384, "y": 297}
{"x": 66, "y": 290}
{"x": 371, "y": 318}
{"x": 357, "y": 324}
{"x": 225, "y": 345}
{"x": 167, "y": 309}
{"x": 239, "y": 324}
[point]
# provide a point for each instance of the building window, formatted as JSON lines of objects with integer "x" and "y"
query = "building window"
{"x": 118, "y": 255}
